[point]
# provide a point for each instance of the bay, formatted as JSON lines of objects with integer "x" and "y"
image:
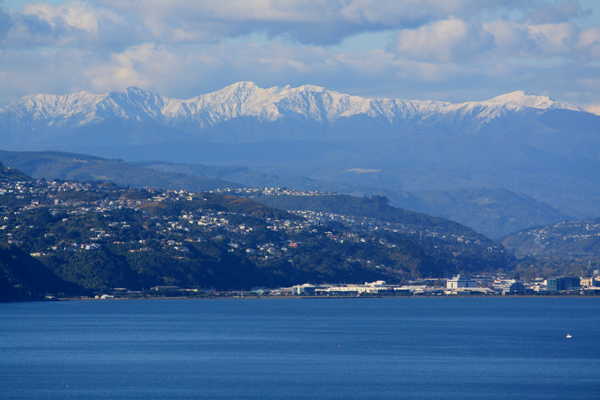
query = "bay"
{"x": 383, "y": 348}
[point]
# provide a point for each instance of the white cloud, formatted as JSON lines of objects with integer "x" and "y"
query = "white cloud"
{"x": 452, "y": 40}
{"x": 589, "y": 43}
{"x": 151, "y": 67}
{"x": 74, "y": 23}
{"x": 511, "y": 38}
{"x": 76, "y": 15}
{"x": 307, "y": 21}
{"x": 450, "y": 49}
{"x": 554, "y": 38}
{"x": 30, "y": 72}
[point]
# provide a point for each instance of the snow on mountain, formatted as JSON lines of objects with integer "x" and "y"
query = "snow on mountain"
{"x": 245, "y": 99}
{"x": 515, "y": 102}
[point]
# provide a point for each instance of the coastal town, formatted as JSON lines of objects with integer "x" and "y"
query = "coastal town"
{"x": 74, "y": 199}
{"x": 59, "y": 222}
{"x": 460, "y": 285}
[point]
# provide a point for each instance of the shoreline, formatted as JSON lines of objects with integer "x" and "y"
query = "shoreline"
{"x": 250, "y": 297}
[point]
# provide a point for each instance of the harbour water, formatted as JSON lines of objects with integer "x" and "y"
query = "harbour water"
{"x": 387, "y": 348}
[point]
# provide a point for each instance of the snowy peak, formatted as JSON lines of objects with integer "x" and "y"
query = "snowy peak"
{"x": 133, "y": 103}
{"x": 307, "y": 103}
{"x": 482, "y": 112}
{"x": 520, "y": 99}
{"x": 240, "y": 90}
{"x": 311, "y": 88}
{"x": 133, "y": 91}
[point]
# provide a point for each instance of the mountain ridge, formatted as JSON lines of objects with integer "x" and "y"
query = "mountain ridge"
{"x": 246, "y": 100}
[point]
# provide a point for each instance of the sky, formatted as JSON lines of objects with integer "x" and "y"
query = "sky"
{"x": 452, "y": 50}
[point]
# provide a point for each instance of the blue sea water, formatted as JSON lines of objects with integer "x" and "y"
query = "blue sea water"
{"x": 407, "y": 348}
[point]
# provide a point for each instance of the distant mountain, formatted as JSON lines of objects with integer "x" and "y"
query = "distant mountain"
{"x": 495, "y": 212}
{"x": 243, "y": 113}
{"x": 527, "y": 144}
{"x": 70, "y": 166}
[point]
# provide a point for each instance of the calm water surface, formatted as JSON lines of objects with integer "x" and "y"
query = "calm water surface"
{"x": 415, "y": 348}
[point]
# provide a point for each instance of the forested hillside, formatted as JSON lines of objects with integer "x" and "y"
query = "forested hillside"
{"x": 102, "y": 236}
{"x": 24, "y": 278}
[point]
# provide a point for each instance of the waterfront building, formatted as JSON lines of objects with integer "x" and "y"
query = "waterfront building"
{"x": 374, "y": 287}
{"x": 304, "y": 290}
{"x": 565, "y": 283}
{"x": 377, "y": 287}
{"x": 510, "y": 287}
{"x": 589, "y": 282}
{"x": 461, "y": 281}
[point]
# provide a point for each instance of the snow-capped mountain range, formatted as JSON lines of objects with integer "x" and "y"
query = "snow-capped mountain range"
{"x": 38, "y": 118}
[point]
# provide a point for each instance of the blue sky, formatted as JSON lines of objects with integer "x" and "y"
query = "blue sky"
{"x": 429, "y": 49}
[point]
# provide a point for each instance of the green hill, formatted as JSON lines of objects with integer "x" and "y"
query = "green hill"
{"x": 563, "y": 239}
{"x": 102, "y": 236}
{"x": 446, "y": 241}
{"x": 11, "y": 174}
{"x": 24, "y": 278}
{"x": 570, "y": 248}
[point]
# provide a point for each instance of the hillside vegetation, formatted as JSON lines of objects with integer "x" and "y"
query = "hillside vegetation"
{"x": 101, "y": 236}
{"x": 24, "y": 278}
